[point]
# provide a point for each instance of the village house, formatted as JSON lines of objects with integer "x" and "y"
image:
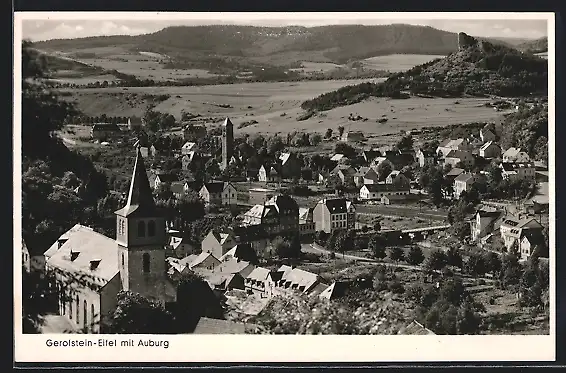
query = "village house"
{"x": 365, "y": 175}
{"x": 268, "y": 174}
{"x": 204, "y": 260}
{"x": 398, "y": 178}
{"x": 399, "y": 159}
{"x": 487, "y": 135}
{"x": 518, "y": 171}
{"x": 399, "y": 198}
{"x": 376, "y": 191}
{"x": 336, "y": 290}
{"x": 279, "y": 215}
{"x": 339, "y": 158}
{"x": 261, "y": 280}
{"x": 453, "y": 173}
{"x": 223, "y": 282}
{"x": 178, "y": 189}
{"x": 290, "y": 166}
{"x": 187, "y": 160}
{"x": 464, "y": 182}
{"x": 216, "y": 326}
{"x": 218, "y": 243}
{"x": 513, "y": 229}
{"x": 189, "y": 147}
{"x": 490, "y": 150}
{"x": 322, "y": 177}
{"x": 483, "y": 222}
{"x": 531, "y": 243}
{"x": 295, "y": 280}
{"x": 456, "y": 157}
{"x": 376, "y": 162}
{"x": 345, "y": 173}
{"x": 219, "y": 193}
{"x": 145, "y": 151}
{"x": 242, "y": 251}
{"x": 512, "y": 155}
{"x": 331, "y": 214}
{"x": 97, "y": 267}
{"x": 104, "y": 131}
{"x": 229, "y": 266}
{"x": 164, "y": 178}
{"x": 306, "y": 222}
{"x": 415, "y": 328}
{"x": 352, "y": 136}
{"x": 181, "y": 246}
{"x": 448, "y": 145}
{"x": 425, "y": 157}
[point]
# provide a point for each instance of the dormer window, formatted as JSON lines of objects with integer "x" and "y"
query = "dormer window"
{"x": 94, "y": 264}
{"x": 74, "y": 255}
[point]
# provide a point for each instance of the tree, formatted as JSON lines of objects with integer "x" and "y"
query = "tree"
{"x": 332, "y": 238}
{"x": 476, "y": 265}
{"x": 340, "y": 131}
{"x": 135, "y": 314}
{"x": 436, "y": 260}
{"x": 395, "y": 253}
{"x": 376, "y": 225}
{"x": 321, "y": 237}
{"x": 405, "y": 143}
{"x": 384, "y": 169}
{"x": 510, "y": 271}
{"x": 493, "y": 262}
{"x": 377, "y": 246}
{"x": 453, "y": 257}
{"x": 195, "y": 299}
{"x": 315, "y": 139}
{"x": 415, "y": 255}
{"x": 288, "y": 248}
{"x": 346, "y": 149}
{"x": 328, "y": 133}
{"x": 344, "y": 241}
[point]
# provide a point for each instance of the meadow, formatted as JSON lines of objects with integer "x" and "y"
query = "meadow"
{"x": 397, "y": 62}
{"x": 276, "y": 106}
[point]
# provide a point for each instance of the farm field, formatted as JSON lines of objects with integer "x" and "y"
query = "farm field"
{"x": 397, "y": 62}
{"x": 315, "y": 67}
{"x": 275, "y": 107}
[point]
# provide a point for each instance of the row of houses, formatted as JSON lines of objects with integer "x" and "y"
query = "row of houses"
{"x": 521, "y": 231}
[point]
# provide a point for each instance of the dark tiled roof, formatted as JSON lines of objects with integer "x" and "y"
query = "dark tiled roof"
{"x": 336, "y": 205}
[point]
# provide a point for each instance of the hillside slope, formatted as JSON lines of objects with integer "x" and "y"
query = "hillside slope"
{"x": 535, "y": 46}
{"x": 247, "y": 44}
{"x": 478, "y": 68}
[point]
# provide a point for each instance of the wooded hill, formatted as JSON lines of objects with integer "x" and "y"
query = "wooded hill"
{"x": 479, "y": 69}
{"x": 275, "y": 45}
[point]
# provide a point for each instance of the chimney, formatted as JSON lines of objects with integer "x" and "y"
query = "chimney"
{"x": 94, "y": 264}
{"x": 74, "y": 255}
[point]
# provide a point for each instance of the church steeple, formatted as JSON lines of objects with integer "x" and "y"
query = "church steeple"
{"x": 140, "y": 191}
{"x": 140, "y": 196}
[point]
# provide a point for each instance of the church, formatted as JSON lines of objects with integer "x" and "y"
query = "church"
{"x": 94, "y": 268}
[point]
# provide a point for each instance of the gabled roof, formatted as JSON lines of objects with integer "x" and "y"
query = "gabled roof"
{"x": 337, "y": 157}
{"x": 335, "y": 205}
{"x": 284, "y": 158}
{"x": 512, "y": 152}
{"x": 217, "y": 326}
{"x": 216, "y": 187}
{"x": 300, "y": 278}
{"x": 167, "y": 177}
{"x": 455, "y": 172}
{"x": 464, "y": 177}
{"x": 487, "y": 145}
{"x": 283, "y": 203}
{"x": 426, "y": 153}
{"x": 189, "y": 145}
{"x": 335, "y": 290}
{"x": 140, "y": 198}
{"x": 416, "y": 328}
{"x": 194, "y": 260}
{"x": 236, "y": 251}
{"x": 232, "y": 266}
{"x": 458, "y": 154}
{"x": 87, "y": 246}
{"x": 258, "y": 274}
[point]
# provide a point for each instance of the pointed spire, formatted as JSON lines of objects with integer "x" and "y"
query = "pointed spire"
{"x": 140, "y": 190}
{"x": 227, "y": 122}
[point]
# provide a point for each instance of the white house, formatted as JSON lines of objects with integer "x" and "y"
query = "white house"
{"x": 515, "y": 155}
{"x": 518, "y": 171}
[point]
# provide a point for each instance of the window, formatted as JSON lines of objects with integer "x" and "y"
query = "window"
{"x": 123, "y": 226}
{"x": 70, "y": 309}
{"x": 122, "y": 259}
{"x": 85, "y": 316}
{"x": 145, "y": 260}
{"x": 92, "y": 315}
{"x": 77, "y": 310}
{"x": 151, "y": 228}
{"x": 141, "y": 229}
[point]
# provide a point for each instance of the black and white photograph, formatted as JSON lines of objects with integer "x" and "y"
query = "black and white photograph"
{"x": 266, "y": 174}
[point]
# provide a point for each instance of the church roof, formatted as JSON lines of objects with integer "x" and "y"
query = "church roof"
{"x": 140, "y": 198}
{"x": 227, "y": 122}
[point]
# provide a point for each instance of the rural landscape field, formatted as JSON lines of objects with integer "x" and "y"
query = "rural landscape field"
{"x": 341, "y": 179}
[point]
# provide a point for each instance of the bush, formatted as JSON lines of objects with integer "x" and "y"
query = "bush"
{"x": 396, "y": 287}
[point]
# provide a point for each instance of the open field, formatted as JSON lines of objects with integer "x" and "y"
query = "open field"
{"x": 275, "y": 106}
{"x": 317, "y": 67}
{"x": 397, "y": 62}
{"x": 76, "y": 78}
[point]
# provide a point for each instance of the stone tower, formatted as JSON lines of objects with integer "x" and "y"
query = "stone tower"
{"x": 141, "y": 239}
{"x": 227, "y": 142}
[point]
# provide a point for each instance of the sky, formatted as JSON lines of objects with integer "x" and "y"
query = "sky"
{"x": 77, "y": 26}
